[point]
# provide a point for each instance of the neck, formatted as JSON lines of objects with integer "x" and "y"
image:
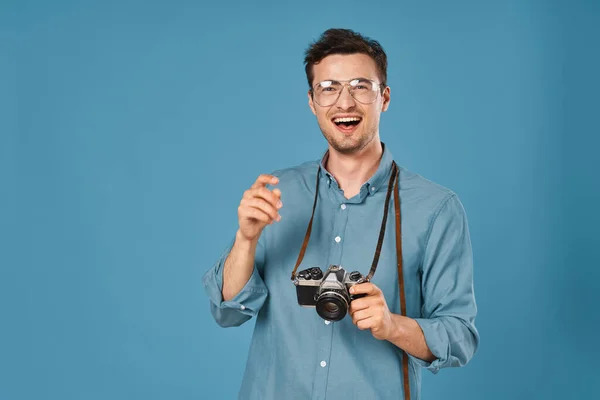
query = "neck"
{"x": 351, "y": 171}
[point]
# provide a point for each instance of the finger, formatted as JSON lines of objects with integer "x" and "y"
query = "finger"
{"x": 254, "y": 213}
{"x": 263, "y": 205}
{"x": 365, "y": 323}
{"x": 360, "y": 315}
{"x": 359, "y": 304}
{"x": 364, "y": 288}
{"x": 268, "y": 195}
{"x": 264, "y": 180}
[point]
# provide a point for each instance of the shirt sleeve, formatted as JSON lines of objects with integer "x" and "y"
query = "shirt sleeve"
{"x": 247, "y": 303}
{"x": 449, "y": 308}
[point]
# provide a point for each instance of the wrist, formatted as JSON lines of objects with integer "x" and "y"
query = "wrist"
{"x": 397, "y": 329}
{"x": 243, "y": 243}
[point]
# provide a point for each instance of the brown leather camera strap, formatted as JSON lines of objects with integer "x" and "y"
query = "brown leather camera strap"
{"x": 309, "y": 229}
{"x": 401, "y": 283}
{"x": 395, "y": 175}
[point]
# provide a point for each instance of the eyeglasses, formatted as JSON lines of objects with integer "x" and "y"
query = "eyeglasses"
{"x": 327, "y": 93}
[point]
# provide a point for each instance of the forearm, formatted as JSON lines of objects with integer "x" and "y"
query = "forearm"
{"x": 238, "y": 266}
{"x": 407, "y": 335}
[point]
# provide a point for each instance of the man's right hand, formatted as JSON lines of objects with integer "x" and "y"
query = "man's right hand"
{"x": 259, "y": 207}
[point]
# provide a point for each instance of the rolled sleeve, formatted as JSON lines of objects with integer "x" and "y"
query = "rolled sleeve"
{"x": 246, "y": 304}
{"x": 449, "y": 309}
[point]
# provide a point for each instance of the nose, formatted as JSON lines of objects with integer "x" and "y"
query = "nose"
{"x": 345, "y": 101}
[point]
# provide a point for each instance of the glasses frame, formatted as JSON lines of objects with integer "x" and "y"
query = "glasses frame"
{"x": 346, "y": 83}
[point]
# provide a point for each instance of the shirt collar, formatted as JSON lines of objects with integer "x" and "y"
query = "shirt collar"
{"x": 377, "y": 181}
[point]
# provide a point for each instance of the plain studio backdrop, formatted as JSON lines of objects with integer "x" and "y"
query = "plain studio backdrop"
{"x": 130, "y": 129}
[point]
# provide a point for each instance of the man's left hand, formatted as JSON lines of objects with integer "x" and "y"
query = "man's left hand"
{"x": 371, "y": 312}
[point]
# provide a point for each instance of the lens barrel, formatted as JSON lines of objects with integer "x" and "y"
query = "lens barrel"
{"x": 332, "y": 304}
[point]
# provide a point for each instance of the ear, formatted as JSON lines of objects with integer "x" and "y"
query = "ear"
{"x": 311, "y": 104}
{"x": 386, "y": 99}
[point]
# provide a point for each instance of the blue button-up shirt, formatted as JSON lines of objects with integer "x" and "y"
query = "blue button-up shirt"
{"x": 294, "y": 354}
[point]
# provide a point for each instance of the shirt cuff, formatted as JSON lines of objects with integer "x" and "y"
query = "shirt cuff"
{"x": 243, "y": 306}
{"x": 213, "y": 284}
{"x": 437, "y": 340}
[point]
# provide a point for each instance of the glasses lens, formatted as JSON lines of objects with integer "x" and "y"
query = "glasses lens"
{"x": 363, "y": 90}
{"x": 327, "y": 92}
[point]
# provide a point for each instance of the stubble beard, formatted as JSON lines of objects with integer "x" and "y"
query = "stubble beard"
{"x": 348, "y": 145}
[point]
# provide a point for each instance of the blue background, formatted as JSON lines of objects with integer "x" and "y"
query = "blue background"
{"x": 130, "y": 129}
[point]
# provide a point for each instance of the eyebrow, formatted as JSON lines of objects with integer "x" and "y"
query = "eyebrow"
{"x": 348, "y": 80}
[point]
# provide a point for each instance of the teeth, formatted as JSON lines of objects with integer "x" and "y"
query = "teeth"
{"x": 349, "y": 119}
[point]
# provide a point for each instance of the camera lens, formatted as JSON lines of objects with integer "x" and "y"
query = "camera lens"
{"x": 331, "y": 308}
{"x": 332, "y": 305}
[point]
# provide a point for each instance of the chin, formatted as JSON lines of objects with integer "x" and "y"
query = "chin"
{"x": 347, "y": 147}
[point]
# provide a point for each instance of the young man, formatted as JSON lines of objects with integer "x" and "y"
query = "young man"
{"x": 395, "y": 326}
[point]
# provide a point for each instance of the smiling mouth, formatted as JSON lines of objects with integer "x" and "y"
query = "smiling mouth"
{"x": 347, "y": 124}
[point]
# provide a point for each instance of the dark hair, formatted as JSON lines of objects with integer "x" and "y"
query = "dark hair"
{"x": 344, "y": 41}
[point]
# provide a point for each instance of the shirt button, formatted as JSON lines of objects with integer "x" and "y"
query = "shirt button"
{"x": 327, "y": 322}
{"x": 343, "y": 206}
{"x": 372, "y": 189}
{"x": 242, "y": 307}
{"x": 323, "y": 364}
{"x": 337, "y": 239}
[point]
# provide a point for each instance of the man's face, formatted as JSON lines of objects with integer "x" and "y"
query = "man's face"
{"x": 348, "y": 138}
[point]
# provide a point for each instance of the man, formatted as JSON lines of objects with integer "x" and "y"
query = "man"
{"x": 368, "y": 354}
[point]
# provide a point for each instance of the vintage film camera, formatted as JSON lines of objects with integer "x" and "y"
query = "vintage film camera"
{"x": 328, "y": 292}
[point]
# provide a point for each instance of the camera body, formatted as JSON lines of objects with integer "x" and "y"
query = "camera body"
{"x": 328, "y": 292}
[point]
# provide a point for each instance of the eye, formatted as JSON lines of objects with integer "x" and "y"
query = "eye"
{"x": 328, "y": 87}
{"x": 361, "y": 85}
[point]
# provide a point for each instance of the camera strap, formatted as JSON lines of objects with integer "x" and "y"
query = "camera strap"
{"x": 401, "y": 283}
{"x": 395, "y": 176}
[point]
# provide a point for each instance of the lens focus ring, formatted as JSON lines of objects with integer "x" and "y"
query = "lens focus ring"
{"x": 332, "y": 304}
